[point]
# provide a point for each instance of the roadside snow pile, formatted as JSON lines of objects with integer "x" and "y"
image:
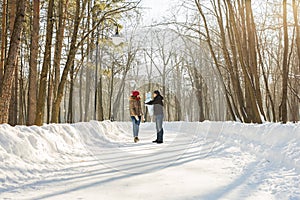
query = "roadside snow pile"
{"x": 30, "y": 151}
{"x": 274, "y": 142}
{"x": 29, "y": 154}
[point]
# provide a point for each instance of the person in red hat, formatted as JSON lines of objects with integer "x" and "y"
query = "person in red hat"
{"x": 136, "y": 113}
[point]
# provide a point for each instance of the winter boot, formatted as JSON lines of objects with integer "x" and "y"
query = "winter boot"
{"x": 155, "y": 141}
{"x": 160, "y": 136}
{"x": 136, "y": 139}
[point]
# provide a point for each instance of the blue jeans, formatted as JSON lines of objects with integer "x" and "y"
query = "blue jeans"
{"x": 136, "y": 126}
{"x": 159, "y": 121}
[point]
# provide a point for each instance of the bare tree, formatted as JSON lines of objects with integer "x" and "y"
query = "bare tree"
{"x": 34, "y": 47}
{"x": 11, "y": 64}
{"x": 45, "y": 69}
{"x": 285, "y": 67}
{"x": 3, "y": 40}
{"x": 296, "y": 90}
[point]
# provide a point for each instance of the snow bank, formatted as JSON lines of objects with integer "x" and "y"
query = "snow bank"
{"x": 46, "y": 143}
{"x": 51, "y": 142}
{"x": 279, "y": 143}
{"x": 26, "y": 152}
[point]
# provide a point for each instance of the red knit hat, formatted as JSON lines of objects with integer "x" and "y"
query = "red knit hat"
{"x": 135, "y": 93}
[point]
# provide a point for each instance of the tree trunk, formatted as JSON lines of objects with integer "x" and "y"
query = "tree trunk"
{"x": 50, "y": 94}
{"x": 46, "y": 64}
{"x": 87, "y": 91}
{"x": 6, "y": 85}
{"x": 62, "y": 11}
{"x": 198, "y": 86}
{"x": 71, "y": 56}
{"x": 110, "y": 114}
{"x": 22, "y": 91}
{"x": 214, "y": 56}
{"x": 13, "y": 107}
{"x": 96, "y": 78}
{"x": 3, "y": 40}
{"x": 252, "y": 109}
{"x": 70, "y": 117}
{"x": 81, "y": 89}
{"x": 268, "y": 92}
{"x": 178, "y": 93}
{"x": 34, "y": 48}
{"x": 117, "y": 103}
{"x": 100, "y": 97}
{"x": 13, "y": 104}
{"x": 232, "y": 66}
{"x": 297, "y": 27}
{"x": 12, "y": 14}
{"x": 100, "y": 93}
{"x": 285, "y": 67}
{"x": 252, "y": 45}
{"x": 89, "y": 49}
{"x": 116, "y": 106}
{"x": 296, "y": 105}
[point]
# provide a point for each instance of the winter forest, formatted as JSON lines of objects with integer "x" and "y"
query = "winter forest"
{"x": 66, "y": 61}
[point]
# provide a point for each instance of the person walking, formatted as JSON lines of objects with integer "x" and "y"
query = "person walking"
{"x": 136, "y": 113}
{"x": 158, "y": 105}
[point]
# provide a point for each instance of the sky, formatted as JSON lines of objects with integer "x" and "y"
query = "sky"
{"x": 156, "y": 9}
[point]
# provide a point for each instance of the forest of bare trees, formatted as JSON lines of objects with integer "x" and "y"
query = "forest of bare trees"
{"x": 211, "y": 59}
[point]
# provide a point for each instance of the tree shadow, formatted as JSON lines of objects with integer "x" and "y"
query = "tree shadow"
{"x": 126, "y": 167}
{"x": 240, "y": 180}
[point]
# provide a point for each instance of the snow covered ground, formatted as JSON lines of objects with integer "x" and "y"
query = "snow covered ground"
{"x": 98, "y": 160}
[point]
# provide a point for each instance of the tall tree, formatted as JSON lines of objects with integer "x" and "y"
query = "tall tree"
{"x": 297, "y": 27}
{"x": 88, "y": 72}
{"x": 70, "y": 116}
{"x": 3, "y": 39}
{"x": 34, "y": 50}
{"x": 232, "y": 108}
{"x": 295, "y": 106}
{"x": 46, "y": 64}
{"x": 13, "y": 108}
{"x": 71, "y": 56}
{"x": 11, "y": 64}
{"x": 252, "y": 109}
{"x": 99, "y": 58}
{"x": 285, "y": 66}
{"x": 104, "y": 15}
{"x": 252, "y": 59}
{"x": 129, "y": 59}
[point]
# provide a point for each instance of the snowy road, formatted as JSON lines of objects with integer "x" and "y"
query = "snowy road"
{"x": 195, "y": 162}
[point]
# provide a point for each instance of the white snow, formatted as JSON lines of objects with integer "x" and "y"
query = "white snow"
{"x": 98, "y": 160}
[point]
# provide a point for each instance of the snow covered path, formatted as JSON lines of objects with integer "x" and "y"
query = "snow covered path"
{"x": 206, "y": 161}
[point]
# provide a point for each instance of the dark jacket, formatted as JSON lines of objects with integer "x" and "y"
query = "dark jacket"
{"x": 158, "y": 105}
{"x": 135, "y": 107}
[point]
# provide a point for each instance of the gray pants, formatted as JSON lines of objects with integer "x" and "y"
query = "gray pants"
{"x": 159, "y": 121}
